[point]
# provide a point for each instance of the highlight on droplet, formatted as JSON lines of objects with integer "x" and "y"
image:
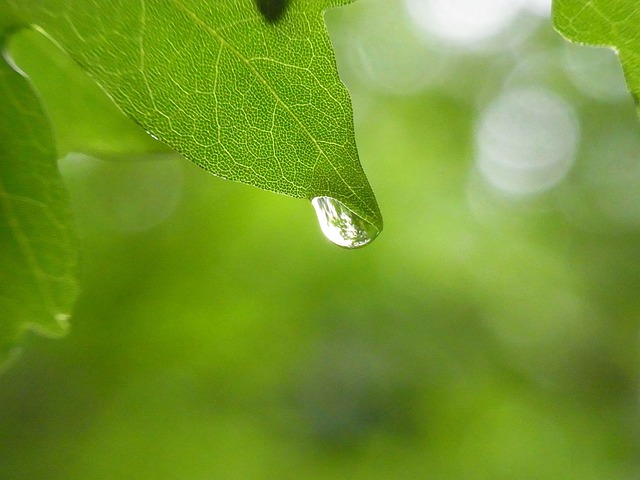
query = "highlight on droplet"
{"x": 341, "y": 225}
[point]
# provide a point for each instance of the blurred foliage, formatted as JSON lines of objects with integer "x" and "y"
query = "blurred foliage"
{"x": 490, "y": 333}
{"x": 38, "y": 251}
{"x": 86, "y": 121}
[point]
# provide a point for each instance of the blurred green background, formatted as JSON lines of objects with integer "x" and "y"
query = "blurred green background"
{"x": 490, "y": 332}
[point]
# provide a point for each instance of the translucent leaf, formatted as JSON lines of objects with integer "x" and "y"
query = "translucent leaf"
{"x": 37, "y": 247}
{"x": 247, "y": 90}
{"x": 611, "y": 23}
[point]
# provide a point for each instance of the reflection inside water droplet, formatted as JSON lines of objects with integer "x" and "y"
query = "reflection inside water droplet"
{"x": 342, "y": 226}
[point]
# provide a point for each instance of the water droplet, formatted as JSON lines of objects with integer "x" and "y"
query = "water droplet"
{"x": 342, "y": 226}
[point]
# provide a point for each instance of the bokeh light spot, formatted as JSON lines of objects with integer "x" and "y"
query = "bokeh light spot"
{"x": 596, "y": 72}
{"x": 526, "y": 141}
{"x": 386, "y": 54}
{"x": 463, "y": 22}
{"x": 125, "y": 196}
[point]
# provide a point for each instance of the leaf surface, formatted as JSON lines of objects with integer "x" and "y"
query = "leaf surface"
{"x": 611, "y": 23}
{"x": 37, "y": 247}
{"x": 248, "y": 96}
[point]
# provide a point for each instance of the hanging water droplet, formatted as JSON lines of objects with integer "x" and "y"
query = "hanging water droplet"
{"x": 342, "y": 226}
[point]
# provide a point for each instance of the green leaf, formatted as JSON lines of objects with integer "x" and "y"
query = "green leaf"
{"x": 249, "y": 91}
{"x": 86, "y": 121}
{"x": 37, "y": 248}
{"x": 611, "y": 23}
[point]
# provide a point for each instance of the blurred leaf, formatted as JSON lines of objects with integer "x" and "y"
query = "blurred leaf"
{"x": 611, "y": 23}
{"x": 37, "y": 248}
{"x": 249, "y": 96}
{"x": 86, "y": 121}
